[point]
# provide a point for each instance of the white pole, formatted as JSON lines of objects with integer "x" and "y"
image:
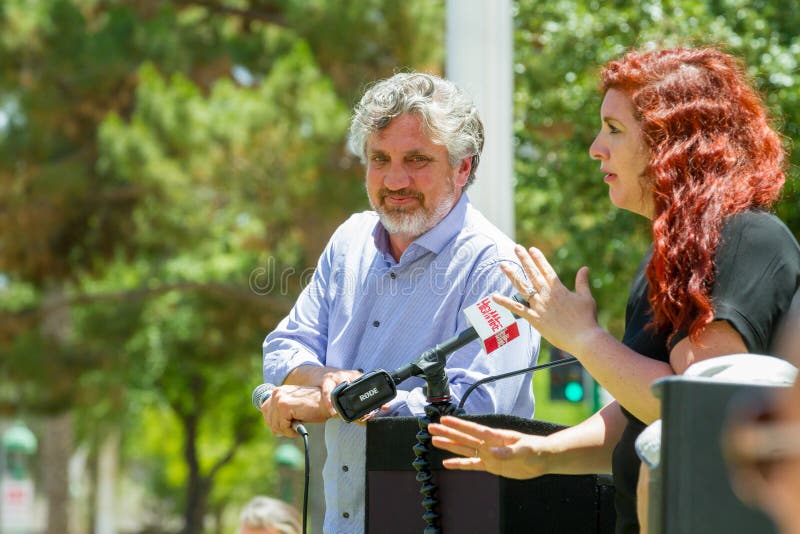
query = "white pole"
{"x": 107, "y": 464}
{"x": 479, "y": 47}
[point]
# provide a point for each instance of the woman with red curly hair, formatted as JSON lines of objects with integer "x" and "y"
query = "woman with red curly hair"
{"x": 686, "y": 142}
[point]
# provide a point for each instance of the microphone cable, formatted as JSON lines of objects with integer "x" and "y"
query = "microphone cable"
{"x": 306, "y": 478}
{"x": 562, "y": 361}
{"x": 260, "y": 395}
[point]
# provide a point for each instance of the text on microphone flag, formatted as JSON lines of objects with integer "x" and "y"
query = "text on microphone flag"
{"x": 501, "y": 338}
{"x": 491, "y": 316}
{"x": 494, "y": 324}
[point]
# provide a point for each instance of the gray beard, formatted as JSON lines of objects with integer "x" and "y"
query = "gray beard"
{"x": 415, "y": 221}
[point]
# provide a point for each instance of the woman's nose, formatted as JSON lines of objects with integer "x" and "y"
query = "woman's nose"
{"x": 597, "y": 150}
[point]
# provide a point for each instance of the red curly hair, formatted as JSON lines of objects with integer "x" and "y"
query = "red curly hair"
{"x": 713, "y": 153}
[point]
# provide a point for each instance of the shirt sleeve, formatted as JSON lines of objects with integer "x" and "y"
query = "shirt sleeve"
{"x": 470, "y": 363}
{"x": 301, "y": 338}
{"x": 757, "y": 271}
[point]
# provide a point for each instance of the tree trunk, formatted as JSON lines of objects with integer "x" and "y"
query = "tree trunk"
{"x": 197, "y": 486}
{"x": 57, "y": 446}
{"x": 56, "y": 452}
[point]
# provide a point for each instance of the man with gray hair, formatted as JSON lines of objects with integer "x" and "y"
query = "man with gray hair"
{"x": 265, "y": 515}
{"x": 394, "y": 282}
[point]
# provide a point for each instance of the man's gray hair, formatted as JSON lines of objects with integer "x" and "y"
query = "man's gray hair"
{"x": 448, "y": 115}
{"x": 266, "y": 512}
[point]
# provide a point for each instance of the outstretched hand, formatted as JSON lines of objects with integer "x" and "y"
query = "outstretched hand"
{"x": 501, "y": 452}
{"x": 563, "y": 317}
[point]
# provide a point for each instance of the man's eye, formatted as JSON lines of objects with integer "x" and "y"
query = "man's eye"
{"x": 419, "y": 159}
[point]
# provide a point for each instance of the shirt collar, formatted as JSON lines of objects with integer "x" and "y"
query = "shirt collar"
{"x": 434, "y": 239}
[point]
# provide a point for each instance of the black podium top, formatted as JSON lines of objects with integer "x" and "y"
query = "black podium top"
{"x": 472, "y": 501}
{"x": 390, "y": 439}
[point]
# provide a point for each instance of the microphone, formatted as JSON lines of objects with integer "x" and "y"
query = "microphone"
{"x": 370, "y": 391}
{"x": 264, "y": 392}
{"x": 492, "y": 324}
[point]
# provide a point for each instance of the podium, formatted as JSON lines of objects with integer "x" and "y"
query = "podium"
{"x": 472, "y": 501}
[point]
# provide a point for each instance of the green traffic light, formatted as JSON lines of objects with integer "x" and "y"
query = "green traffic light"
{"x": 573, "y": 392}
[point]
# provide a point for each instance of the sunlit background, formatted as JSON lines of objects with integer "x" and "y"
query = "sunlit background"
{"x": 169, "y": 173}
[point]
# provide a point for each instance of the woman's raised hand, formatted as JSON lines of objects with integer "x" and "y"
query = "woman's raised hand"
{"x": 563, "y": 317}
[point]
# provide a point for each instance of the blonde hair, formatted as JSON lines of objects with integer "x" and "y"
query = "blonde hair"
{"x": 264, "y": 512}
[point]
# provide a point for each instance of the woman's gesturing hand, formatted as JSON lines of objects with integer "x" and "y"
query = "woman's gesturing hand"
{"x": 563, "y": 317}
{"x": 501, "y": 452}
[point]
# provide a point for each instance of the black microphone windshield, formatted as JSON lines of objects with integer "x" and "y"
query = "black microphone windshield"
{"x": 261, "y": 394}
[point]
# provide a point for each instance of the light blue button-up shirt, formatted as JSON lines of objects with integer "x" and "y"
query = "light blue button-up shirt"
{"x": 364, "y": 310}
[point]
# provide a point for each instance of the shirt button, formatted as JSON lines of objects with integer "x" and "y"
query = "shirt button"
{"x": 376, "y": 324}
{"x": 346, "y": 515}
{"x": 393, "y": 275}
{"x": 345, "y": 468}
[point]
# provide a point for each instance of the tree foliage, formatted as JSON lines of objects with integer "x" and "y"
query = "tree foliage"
{"x": 169, "y": 172}
{"x": 562, "y": 202}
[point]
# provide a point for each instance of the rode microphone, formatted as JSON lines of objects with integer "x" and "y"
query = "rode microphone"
{"x": 264, "y": 392}
{"x": 369, "y": 392}
{"x": 495, "y": 325}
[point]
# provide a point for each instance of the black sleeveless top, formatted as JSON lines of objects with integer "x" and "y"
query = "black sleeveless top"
{"x": 757, "y": 271}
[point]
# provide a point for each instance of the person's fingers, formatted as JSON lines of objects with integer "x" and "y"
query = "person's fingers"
{"x": 455, "y": 436}
{"x": 278, "y": 416}
{"x": 582, "y": 286}
{"x": 549, "y": 275}
{"x": 455, "y": 447}
{"x": 517, "y": 279}
{"x": 474, "y": 434}
{"x": 513, "y": 306}
{"x": 464, "y": 464}
{"x": 328, "y": 384}
{"x": 285, "y": 426}
{"x": 537, "y": 280}
{"x": 364, "y": 418}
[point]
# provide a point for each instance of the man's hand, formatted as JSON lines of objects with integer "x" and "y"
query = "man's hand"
{"x": 293, "y": 404}
{"x": 324, "y": 378}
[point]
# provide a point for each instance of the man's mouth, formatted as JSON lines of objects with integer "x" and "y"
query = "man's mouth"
{"x": 400, "y": 198}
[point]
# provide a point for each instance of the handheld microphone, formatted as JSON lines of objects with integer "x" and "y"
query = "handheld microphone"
{"x": 264, "y": 392}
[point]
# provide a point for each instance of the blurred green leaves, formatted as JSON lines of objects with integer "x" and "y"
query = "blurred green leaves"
{"x": 154, "y": 157}
{"x": 169, "y": 169}
{"x": 561, "y": 201}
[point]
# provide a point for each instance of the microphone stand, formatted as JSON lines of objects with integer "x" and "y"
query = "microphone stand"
{"x": 431, "y": 365}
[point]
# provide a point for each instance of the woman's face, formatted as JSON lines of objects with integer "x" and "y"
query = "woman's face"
{"x": 623, "y": 155}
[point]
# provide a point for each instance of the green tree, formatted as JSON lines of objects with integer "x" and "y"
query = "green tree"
{"x": 561, "y": 201}
{"x": 169, "y": 173}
